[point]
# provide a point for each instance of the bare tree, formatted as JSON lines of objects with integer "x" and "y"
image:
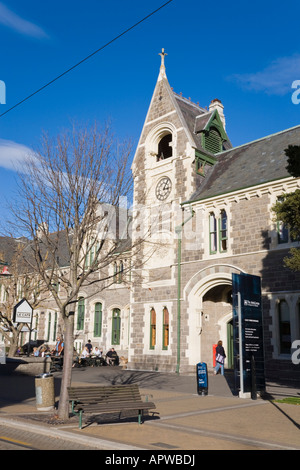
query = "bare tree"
{"x": 17, "y": 283}
{"x": 68, "y": 206}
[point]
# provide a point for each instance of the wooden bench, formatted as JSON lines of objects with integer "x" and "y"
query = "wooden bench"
{"x": 107, "y": 399}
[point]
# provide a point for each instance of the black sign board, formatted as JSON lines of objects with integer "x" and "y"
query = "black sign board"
{"x": 248, "y": 333}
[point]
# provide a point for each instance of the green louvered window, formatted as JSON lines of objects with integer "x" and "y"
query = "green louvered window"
{"x": 80, "y": 314}
{"x": 213, "y": 141}
{"x": 98, "y": 319}
{"x": 116, "y": 327}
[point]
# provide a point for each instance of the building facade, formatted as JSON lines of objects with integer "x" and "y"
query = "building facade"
{"x": 207, "y": 207}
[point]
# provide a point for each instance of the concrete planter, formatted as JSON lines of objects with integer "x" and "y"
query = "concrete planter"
{"x": 26, "y": 365}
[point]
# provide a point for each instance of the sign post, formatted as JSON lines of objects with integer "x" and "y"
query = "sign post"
{"x": 248, "y": 334}
{"x": 23, "y": 314}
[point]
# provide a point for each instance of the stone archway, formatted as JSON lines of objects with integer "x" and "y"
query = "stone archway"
{"x": 208, "y": 295}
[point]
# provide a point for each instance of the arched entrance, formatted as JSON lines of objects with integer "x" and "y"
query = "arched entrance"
{"x": 209, "y": 308}
{"x": 217, "y": 315}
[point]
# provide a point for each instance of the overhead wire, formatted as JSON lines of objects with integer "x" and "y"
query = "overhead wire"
{"x": 85, "y": 59}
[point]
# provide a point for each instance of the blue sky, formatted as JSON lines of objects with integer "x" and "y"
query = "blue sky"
{"x": 247, "y": 54}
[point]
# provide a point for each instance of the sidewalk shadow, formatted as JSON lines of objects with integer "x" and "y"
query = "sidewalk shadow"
{"x": 297, "y": 425}
{"x": 15, "y": 389}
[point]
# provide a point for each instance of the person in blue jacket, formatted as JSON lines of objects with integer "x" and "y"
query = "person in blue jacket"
{"x": 220, "y": 358}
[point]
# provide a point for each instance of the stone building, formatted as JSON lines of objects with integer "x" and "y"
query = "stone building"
{"x": 218, "y": 200}
{"x": 208, "y": 208}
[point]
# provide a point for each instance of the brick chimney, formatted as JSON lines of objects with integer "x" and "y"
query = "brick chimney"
{"x": 216, "y": 104}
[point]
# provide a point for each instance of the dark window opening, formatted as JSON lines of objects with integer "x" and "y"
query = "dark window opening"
{"x": 164, "y": 148}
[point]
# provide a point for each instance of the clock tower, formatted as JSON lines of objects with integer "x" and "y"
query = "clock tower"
{"x": 170, "y": 163}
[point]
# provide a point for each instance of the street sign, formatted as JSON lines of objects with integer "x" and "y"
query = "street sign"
{"x": 202, "y": 380}
{"x": 22, "y": 312}
{"x": 248, "y": 333}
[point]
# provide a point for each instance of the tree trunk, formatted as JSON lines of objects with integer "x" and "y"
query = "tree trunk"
{"x": 63, "y": 408}
{"x": 13, "y": 346}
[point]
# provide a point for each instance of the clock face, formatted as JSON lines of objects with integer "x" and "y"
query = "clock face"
{"x": 163, "y": 188}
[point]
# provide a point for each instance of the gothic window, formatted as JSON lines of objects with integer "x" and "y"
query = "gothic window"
{"x": 80, "y": 313}
{"x": 118, "y": 272}
{"x": 116, "y": 327}
{"x": 54, "y": 327}
{"x": 98, "y": 319}
{"x": 165, "y": 328}
{"x": 218, "y": 232}
{"x": 165, "y": 148}
{"x": 212, "y": 233}
{"x": 49, "y": 327}
{"x": 152, "y": 328}
{"x": 223, "y": 230}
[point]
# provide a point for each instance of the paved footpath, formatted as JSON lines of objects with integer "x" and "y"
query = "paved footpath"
{"x": 183, "y": 420}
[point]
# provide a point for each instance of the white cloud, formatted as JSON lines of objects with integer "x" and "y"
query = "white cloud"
{"x": 12, "y": 154}
{"x": 275, "y": 79}
{"x": 15, "y": 22}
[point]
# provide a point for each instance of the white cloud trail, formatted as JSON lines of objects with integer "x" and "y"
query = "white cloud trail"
{"x": 17, "y": 23}
{"x": 275, "y": 79}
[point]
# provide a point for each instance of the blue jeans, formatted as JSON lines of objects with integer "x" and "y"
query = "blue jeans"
{"x": 218, "y": 365}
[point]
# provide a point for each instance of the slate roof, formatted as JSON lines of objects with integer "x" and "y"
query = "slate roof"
{"x": 196, "y": 119}
{"x": 255, "y": 163}
{"x": 9, "y": 245}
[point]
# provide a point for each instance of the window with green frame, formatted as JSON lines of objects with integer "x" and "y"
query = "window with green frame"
{"x": 98, "y": 319}
{"x": 116, "y": 327}
{"x": 218, "y": 232}
{"x": 152, "y": 328}
{"x": 80, "y": 313}
{"x": 212, "y": 233}
{"x": 165, "y": 328}
{"x": 49, "y": 327}
{"x": 223, "y": 232}
{"x": 54, "y": 327}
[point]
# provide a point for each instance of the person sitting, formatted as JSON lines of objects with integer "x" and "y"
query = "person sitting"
{"x": 36, "y": 352}
{"x": 112, "y": 358}
{"x": 85, "y": 356}
{"x": 99, "y": 359}
{"x": 97, "y": 352}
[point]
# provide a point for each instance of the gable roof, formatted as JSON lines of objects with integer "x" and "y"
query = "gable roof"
{"x": 248, "y": 165}
{"x": 198, "y": 120}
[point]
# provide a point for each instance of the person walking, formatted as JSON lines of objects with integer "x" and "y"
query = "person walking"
{"x": 220, "y": 358}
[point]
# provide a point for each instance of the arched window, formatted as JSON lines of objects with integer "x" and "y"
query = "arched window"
{"x": 165, "y": 148}
{"x": 212, "y": 233}
{"x": 223, "y": 231}
{"x": 116, "y": 327}
{"x": 80, "y": 313}
{"x": 218, "y": 232}
{"x": 152, "y": 328}
{"x": 98, "y": 319}
{"x": 165, "y": 328}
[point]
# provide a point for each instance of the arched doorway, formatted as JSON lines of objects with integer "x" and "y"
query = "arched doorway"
{"x": 209, "y": 310}
{"x": 217, "y": 318}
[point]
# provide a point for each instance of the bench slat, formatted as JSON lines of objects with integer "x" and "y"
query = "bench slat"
{"x": 107, "y": 399}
